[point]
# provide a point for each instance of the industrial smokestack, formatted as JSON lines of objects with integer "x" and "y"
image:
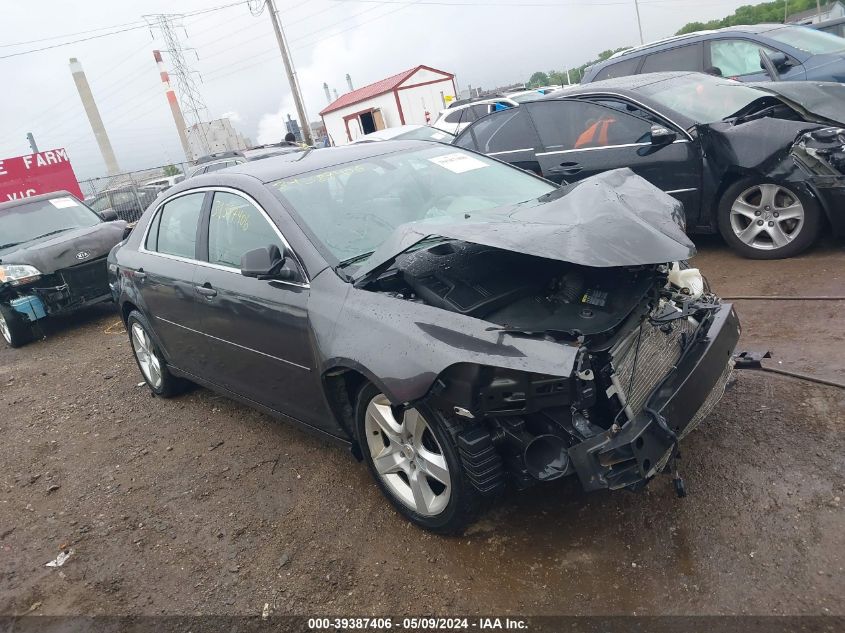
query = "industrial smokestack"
{"x": 174, "y": 106}
{"x": 328, "y": 94}
{"x": 94, "y": 116}
{"x": 349, "y": 82}
{"x": 335, "y": 94}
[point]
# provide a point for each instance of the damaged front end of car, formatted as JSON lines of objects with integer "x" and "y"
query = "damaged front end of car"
{"x": 820, "y": 154}
{"x": 590, "y": 277}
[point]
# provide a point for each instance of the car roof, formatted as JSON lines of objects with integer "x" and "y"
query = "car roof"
{"x": 295, "y": 163}
{"x": 628, "y": 83}
{"x": 44, "y": 196}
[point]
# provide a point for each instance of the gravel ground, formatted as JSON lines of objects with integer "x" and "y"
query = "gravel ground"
{"x": 198, "y": 505}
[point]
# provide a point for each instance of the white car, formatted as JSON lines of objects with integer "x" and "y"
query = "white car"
{"x": 455, "y": 119}
{"x": 535, "y": 93}
{"x": 165, "y": 182}
{"x": 407, "y": 133}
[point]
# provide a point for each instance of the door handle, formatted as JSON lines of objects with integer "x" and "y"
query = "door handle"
{"x": 140, "y": 274}
{"x": 570, "y": 168}
{"x": 206, "y": 291}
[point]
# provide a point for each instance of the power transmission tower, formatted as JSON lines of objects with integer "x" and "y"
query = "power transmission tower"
{"x": 190, "y": 97}
{"x": 304, "y": 123}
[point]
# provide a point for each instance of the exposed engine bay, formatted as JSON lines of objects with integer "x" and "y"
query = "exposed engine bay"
{"x": 632, "y": 326}
{"x": 519, "y": 292}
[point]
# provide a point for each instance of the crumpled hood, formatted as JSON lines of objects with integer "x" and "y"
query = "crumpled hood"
{"x": 615, "y": 218}
{"x": 819, "y": 101}
{"x": 59, "y": 251}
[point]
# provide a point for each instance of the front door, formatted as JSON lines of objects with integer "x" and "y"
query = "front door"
{"x": 257, "y": 330}
{"x": 581, "y": 138}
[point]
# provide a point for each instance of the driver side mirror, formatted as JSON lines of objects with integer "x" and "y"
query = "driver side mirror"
{"x": 773, "y": 63}
{"x": 661, "y": 135}
{"x": 265, "y": 263}
{"x": 108, "y": 215}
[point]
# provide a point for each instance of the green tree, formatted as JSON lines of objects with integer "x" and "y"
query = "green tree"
{"x": 171, "y": 170}
{"x": 538, "y": 79}
{"x": 752, "y": 14}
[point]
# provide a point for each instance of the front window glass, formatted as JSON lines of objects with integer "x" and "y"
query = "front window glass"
{"x": 351, "y": 209}
{"x": 687, "y": 57}
{"x": 809, "y": 40}
{"x": 236, "y": 227}
{"x": 33, "y": 220}
{"x": 175, "y": 230}
{"x": 505, "y": 131}
{"x": 734, "y": 58}
{"x": 570, "y": 125}
{"x": 702, "y": 98}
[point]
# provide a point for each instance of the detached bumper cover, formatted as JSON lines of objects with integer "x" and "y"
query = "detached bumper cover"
{"x": 641, "y": 447}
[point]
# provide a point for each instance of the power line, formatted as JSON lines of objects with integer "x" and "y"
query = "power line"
{"x": 56, "y": 37}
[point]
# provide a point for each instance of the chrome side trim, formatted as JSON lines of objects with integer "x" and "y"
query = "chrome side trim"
{"x": 248, "y": 349}
{"x": 511, "y": 151}
{"x": 681, "y": 190}
{"x": 589, "y": 149}
{"x": 143, "y": 249}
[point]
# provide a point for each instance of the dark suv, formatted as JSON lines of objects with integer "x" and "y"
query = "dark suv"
{"x": 798, "y": 53}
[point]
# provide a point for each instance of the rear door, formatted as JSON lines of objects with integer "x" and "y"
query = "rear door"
{"x": 581, "y": 138}
{"x": 164, "y": 278}
{"x": 507, "y": 135}
{"x": 256, "y": 330}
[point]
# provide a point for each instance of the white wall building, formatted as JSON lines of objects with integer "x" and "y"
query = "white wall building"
{"x": 814, "y": 16}
{"x": 211, "y": 137}
{"x": 412, "y": 96}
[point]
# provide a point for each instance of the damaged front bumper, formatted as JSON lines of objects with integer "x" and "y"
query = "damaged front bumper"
{"x": 630, "y": 455}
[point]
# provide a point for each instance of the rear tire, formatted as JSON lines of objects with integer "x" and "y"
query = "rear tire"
{"x": 416, "y": 451}
{"x": 761, "y": 219}
{"x": 14, "y": 330}
{"x": 150, "y": 360}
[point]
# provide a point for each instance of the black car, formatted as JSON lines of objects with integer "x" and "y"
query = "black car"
{"x": 128, "y": 201}
{"x": 763, "y": 164}
{"x": 53, "y": 253}
{"x": 460, "y": 324}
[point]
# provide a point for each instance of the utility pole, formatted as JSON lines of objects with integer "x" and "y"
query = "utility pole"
{"x": 294, "y": 84}
{"x": 785, "y": 10}
{"x": 819, "y": 10}
{"x": 639, "y": 23}
{"x": 32, "y": 145}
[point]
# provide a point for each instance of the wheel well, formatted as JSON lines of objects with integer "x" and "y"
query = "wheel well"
{"x": 342, "y": 386}
{"x": 126, "y": 310}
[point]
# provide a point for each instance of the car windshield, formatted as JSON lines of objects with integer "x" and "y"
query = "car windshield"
{"x": 352, "y": 208}
{"x": 32, "y": 220}
{"x": 702, "y": 98}
{"x": 809, "y": 40}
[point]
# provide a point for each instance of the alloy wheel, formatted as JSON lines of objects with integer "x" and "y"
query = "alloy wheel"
{"x": 4, "y": 328}
{"x": 147, "y": 359}
{"x": 407, "y": 457}
{"x": 767, "y": 216}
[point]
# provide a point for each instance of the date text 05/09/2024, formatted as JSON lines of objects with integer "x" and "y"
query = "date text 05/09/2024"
{"x": 419, "y": 624}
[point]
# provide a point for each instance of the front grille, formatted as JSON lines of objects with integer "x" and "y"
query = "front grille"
{"x": 88, "y": 280}
{"x": 643, "y": 358}
{"x": 712, "y": 399}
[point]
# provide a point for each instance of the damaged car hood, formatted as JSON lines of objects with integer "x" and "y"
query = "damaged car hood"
{"x": 615, "y": 218}
{"x": 819, "y": 101}
{"x": 63, "y": 250}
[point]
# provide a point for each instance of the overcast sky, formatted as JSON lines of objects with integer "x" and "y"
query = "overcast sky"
{"x": 240, "y": 74}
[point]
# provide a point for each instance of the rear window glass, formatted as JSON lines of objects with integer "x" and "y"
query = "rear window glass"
{"x": 505, "y": 131}
{"x": 687, "y": 57}
{"x": 619, "y": 69}
{"x": 176, "y": 227}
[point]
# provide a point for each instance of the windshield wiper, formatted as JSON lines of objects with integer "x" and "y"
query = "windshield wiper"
{"x": 356, "y": 258}
{"x": 51, "y": 233}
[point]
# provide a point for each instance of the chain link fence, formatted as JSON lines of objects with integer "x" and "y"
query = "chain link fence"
{"x": 130, "y": 193}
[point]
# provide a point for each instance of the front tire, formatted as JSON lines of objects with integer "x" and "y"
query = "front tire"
{"x": 761, "y": 219}
{"x": 413, "y": 457}
{"x": 13, "y": 329}
{"x": 150, "y": 360}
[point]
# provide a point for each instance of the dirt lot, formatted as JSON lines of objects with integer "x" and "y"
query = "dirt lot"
{"x": 197, "y": 505}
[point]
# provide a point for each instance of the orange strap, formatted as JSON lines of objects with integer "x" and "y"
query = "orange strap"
{"x": 599, "y": 128}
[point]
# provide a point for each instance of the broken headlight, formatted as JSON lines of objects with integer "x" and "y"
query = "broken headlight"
{"x": 17, "y": 274}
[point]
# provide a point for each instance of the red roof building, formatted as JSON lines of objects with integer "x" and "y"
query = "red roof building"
{"x": 415, "y": 95}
